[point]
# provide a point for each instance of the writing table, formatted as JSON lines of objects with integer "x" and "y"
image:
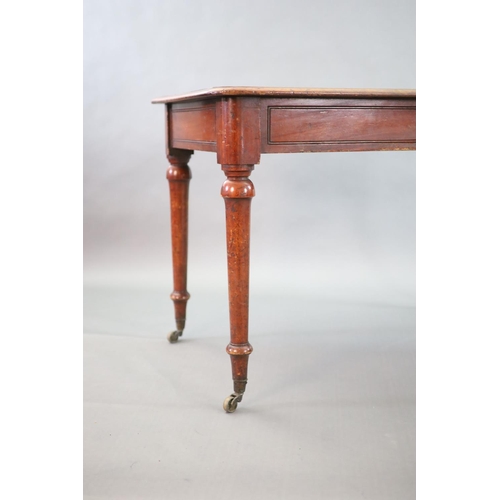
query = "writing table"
{"x": 240, "y": 124}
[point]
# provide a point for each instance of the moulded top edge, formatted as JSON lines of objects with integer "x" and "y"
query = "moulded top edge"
{"x": 287, "y": 92}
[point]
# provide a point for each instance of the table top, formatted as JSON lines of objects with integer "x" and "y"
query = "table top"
{"x": 287, "y": 92}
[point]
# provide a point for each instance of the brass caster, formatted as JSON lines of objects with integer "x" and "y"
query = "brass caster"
{"x": 174, "y": 336}
{"x": 231, "y": 402}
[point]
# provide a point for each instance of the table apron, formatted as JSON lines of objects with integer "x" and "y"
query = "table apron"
{"x": 309, "y": 125}
{"x": 302, "y": 125}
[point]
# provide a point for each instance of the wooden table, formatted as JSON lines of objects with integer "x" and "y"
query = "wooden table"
{"x": 241, "y": 123}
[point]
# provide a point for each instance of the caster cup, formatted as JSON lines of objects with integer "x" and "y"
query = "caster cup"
{"x": 173, "y": 337}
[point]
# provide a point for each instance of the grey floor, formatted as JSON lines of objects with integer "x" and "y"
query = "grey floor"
{"x": 329, "y": 411}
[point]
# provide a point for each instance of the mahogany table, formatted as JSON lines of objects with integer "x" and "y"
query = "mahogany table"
{"x": 241, "y": 123}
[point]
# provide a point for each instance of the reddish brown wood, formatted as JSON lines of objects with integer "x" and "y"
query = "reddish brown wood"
{"x": 337, "y": 124}
{"x": 193, "y": 125}
{"x": 238, "y": 131}
{"x": 241, "y": 123}
{"x": 238, "y": 191}
{"x": 179, "y": 175}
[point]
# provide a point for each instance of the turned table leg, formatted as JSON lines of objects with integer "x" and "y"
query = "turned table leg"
{"x": 238, "y": 192}
{"x": 178, "y": 176}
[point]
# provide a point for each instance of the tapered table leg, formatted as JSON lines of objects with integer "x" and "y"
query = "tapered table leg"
{"x": 178, "y": 176}
{"x": 238, "y": 192}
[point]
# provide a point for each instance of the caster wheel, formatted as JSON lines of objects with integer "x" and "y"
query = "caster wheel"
{"x": 174, "y": 336}
{"x": 231, "y": 403}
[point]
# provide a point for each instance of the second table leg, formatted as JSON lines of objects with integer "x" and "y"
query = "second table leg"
{"x": 238, "y": 191}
